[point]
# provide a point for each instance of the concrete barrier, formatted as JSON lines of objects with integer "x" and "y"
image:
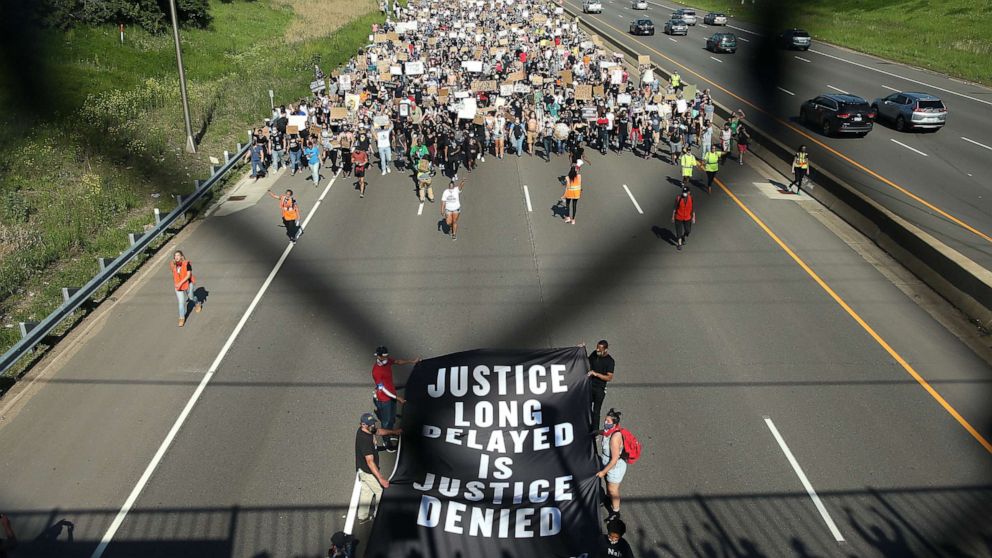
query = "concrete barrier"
{"x": 957, "y": 278}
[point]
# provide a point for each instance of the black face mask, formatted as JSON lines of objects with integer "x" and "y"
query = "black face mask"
{"x": 373, "y": 428}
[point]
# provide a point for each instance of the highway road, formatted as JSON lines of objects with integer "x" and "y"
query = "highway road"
{"x": 797, "y": 393}
{"x": 939, "y": 181}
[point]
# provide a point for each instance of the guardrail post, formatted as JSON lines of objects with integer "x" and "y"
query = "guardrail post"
{"x": 227, "y": 157}
{"x": 26, "y": 327}
{"x": 103, "y": 262}
{"x": 196, "y": 184}
{"x": 133, "y": 238}
{"x": 158, "y": 216}
{"x": 67, "y": 293}
{"x": 239, "y": 147}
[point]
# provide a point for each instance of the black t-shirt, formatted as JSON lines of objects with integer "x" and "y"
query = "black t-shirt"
{"x": 619, "y": 550}
{"x": 365, "y": 445}
{"x": 603, "y": 365}
{"x": 281, "y": 124}
{"x": 277, "y": 142}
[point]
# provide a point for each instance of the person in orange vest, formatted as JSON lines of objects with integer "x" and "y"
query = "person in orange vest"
{"x": 183, "y": 280}
{"x": 290, "y": 214}
{"x": 683, "y": 216}
{"x": 573, "y": 191}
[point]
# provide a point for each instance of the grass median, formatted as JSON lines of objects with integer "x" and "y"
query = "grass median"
{"x": 86, "y": 166}
{"x": 950, "y": 37}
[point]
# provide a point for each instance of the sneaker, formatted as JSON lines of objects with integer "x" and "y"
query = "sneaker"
{"x": 362, "y": 196}
{"x": 483, "y": 159}
{"x": 388, "y": 170}
{"x": 453, "y": 237}
{"x": 678, "y": 246}
{"x": 613, "y": 515}
{"x": 455, "y": 177}
{"x": 182, "y": 322}
{"x": 198, "y": 307}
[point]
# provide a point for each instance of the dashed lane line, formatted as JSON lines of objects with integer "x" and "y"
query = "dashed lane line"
{"x": 630, "y": 195}
{"x": 893, "y": 140}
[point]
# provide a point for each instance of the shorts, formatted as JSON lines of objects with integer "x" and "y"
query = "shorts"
{"x": 741, "y": 147}
{"x": 616, "y": 474}
{"x": 531, "y": 137}
{"x": 360, "y": 172}
{"x": 452, "y": 212}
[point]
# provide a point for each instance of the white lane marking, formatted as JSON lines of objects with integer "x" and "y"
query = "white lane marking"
{"x": 704, "y": 26}
{"x": 969, "y": 97}
{"x": 527, "y": 197}
{"x": 356, "y": 495}
{"x": 157, "y": 458}
{"x": 890, "y": 88}
{"x": 976, "y": 143}
{"x": 786, "y": 91}
{"x": 673, "y": 40}
{"x": 743, "y": 39}
{"x": 806, "y": 484}
{"x": 745, "y": 30}
{"x": 637, "y": 206}
{"x": 620, "y": 16}
{"x": 420, "y": 210}
{"x": 800, "y": 58}
{"x": 717, "y": 59}
{"x": 908, "y": 147}
{"x": 837, "y": 89}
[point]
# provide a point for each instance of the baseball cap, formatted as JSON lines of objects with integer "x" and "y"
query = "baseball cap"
{"x": 368, "y": 419}
{"x": 685, "y": 189}
{"x": 381, "y": 350}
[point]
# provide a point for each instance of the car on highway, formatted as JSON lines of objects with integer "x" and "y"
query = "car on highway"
{"x": 642, "y": 27}
{"x": 590, "y": 7}
{"x": 722, "y": 42}
{"x": 686, "y": 15}
{"x": 908, "y": 111}
{"x": 676, "y": 27}
{"x": 639, "y": 5}
{"x": 715, "y": 18}
{"x": 838, "y": 114}
{"x": 795, "y": 39}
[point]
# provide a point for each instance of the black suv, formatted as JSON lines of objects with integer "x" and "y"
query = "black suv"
{"x": 642, "y": 27}
{"x": 795, "y": 39}
{"x": 838, "y": 114}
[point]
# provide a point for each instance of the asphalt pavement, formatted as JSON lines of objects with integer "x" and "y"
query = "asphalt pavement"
{"x": 731, "y": 357}
{"x": 938, "y": 181}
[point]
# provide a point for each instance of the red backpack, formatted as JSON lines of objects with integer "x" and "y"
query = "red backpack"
{"x": 631, "y": 445}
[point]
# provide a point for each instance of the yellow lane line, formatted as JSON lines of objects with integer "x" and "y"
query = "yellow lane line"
{"x": 813, "y": 139}
{"x": 861, "y": 322}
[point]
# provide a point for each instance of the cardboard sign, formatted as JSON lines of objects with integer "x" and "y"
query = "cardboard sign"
{"x": 384, "y": 77}
{"x": 566, "y": 77}
{"x": 515, "y": 76}
{"x": 598, "y": 91}
{"x": 381, "y": 38}
{"x": 414, "y": 68}
{"x": 583, "y": 92}
{"x": 401, "y": 56}
{"x": 643, "y": 59}
{"x": 432, "y": 41}
{"x": 292, "y": 130}
{"x": 536, "y": 80}
{"x": 484, "y": 85}
{"x": 361, "y": 61}
{"x": 314, "y": 130}
{"x": 539, "y": 19}
{"x": 339, "y": 113}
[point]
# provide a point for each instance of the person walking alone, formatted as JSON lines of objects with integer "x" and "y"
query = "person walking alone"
{"x": 290, "y": 214}
{"x": 683, "y": 216}
{"x": 711, "y": 164}
{"x": 184, "y": 282}
{"x": 601, "y": 368}
{"x": 451, "y": 208}
{"x": 573, "y": 191}
{"x": 800, "y": 168}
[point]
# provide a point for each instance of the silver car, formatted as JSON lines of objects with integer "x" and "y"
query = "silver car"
{"x": 639, "y": 5}
{"x": 686, "y": 15}
{"x": 715, "y": 18}
{"x": 676, "y": 27}
{"x": 908, "y": 111}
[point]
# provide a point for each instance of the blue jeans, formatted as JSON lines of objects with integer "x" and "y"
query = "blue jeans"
{"x": 185, "y": 297}
{"x": 387, "y": 412}
{"x": 518, "y": 144}
{"x": 295, "y": 160}
{"x": 277, "y": 159}
{"x": 315, "y": 172}
{"x": 385, "y": 155}
{"x": 256, "y": 167}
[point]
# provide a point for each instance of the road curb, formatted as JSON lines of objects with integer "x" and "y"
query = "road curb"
{"x": 957, "y": 278}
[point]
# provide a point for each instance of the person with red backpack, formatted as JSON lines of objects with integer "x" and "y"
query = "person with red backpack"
{"x": 618, "y": 448}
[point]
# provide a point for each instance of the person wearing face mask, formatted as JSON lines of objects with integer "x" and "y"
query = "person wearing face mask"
{"x": 611, "y": 456}
{"x": 683, "y": 216}
{"x": 385, "y": 396}
{"x": 612, "y": 545}
{"x": 601, "y": 367}
{"x": 367, "y": 463}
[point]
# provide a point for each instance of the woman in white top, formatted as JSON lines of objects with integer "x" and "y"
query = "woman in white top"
{"x": 451, "y": 207}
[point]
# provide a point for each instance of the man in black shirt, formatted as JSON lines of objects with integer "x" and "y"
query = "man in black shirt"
{"x": 367, "y": 464}
{"x": 601, "y": 367}
{"x": 612, "y": 544}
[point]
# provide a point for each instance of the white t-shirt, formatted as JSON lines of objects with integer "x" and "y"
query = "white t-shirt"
{"x": 452, "y": 199}
{"x": 382, "y": 138}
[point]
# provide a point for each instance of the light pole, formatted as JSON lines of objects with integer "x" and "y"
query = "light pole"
{"x": 190, "y": 144}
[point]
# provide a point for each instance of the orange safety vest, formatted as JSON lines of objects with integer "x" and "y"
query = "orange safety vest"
{"x": 182, "y": 275}
{"x": 290, "y": 211}
{"x": 573, "y": 188}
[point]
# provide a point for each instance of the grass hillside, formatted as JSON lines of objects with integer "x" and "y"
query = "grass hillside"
{"x": 85, "y": 166}
{"x": 953, "y": 37}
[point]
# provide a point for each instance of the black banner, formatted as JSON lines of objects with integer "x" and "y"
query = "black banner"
{"x": 496, "y": 460}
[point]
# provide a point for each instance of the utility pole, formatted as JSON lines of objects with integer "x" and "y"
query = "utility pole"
{"x": 190, "y": 144}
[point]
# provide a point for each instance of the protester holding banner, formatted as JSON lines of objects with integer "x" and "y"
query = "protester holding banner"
{"x": 385, "y": 396}
{"x": 611, "y": 456}
{"x": 367, "y": 464}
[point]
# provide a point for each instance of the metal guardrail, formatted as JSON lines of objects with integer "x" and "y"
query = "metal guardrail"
{"x": 32, "y": 336}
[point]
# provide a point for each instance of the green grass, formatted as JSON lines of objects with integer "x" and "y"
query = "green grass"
{"x": 952, "y": 37}
{"x": 74, "y": 180}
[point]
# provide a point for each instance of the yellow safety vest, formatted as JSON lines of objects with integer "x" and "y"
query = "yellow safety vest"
{"x": 802, "y": 160}
{"x": 711, "y": 161}
{"x": 687, "y": 161}
{"x": 676, "y": 80}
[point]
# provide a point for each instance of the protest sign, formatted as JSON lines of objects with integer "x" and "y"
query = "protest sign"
{"x": 484, "y": 85}
{"x": 339, "y": 113}
{"x": 317, "y": 85}
{"x": 472, "y": 65}
{"x": 643, "y": 60}
{"x": 494, "y": 460}
{"x": 623, "y": 99}
{"x": 414, "y": 68}
{"x": 344, "y": 82}
{"x": 598, "y": 91}
{"x": 583, "y": 92}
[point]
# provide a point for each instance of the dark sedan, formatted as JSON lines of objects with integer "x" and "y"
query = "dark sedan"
{"x": 722, "y": 42}
{"x": 838, "y": 114}
{"x": 642, "y": 27}
{"x": 676, "y": 27}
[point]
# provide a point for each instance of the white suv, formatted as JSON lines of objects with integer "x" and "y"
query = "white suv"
{"x": 639, "y": 5}
{"x": 590, "y": 7}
